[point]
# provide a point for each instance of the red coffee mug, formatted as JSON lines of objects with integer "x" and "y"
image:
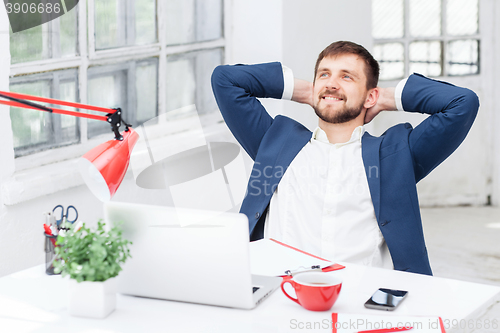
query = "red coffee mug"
{"x": 316, "y": 291}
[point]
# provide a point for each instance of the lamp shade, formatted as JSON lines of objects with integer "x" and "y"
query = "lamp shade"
{"x": 104, "y": 167}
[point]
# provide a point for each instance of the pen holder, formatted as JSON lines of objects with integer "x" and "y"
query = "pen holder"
{"x": 50, "y": 253}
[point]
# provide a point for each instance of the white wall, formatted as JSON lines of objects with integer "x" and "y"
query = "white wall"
{"x": 6, "y": 151}
{"x": 255, "y": 35}
{"x": 492, "y": 93}
{"x": 256, "y": 31}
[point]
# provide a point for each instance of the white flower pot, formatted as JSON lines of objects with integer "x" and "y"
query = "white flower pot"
{"x": 92, "y": 299}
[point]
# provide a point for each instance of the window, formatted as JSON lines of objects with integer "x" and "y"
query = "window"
{"x": 147, "y": 57}
{"x": 431, "y": 37}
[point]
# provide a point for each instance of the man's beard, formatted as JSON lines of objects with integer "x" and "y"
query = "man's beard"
{"x": 340, "y": 116}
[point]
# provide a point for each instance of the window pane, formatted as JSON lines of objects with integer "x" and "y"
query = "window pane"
{"x": 425, "y": 58}
{"x": 39, "y": 130}
{"x": 463, "y": 57}
{"x": 180, "y": 82}
{"x": 188, "y": 80}
{"x": 145, "y": 22}
{"x": 50, "y": 40}
{"x": 29, "y": 45}
{"x": 390, "y": 57}
{"x": 119, "y": 23}
{"x": 180, "y": 21}
{"x": 462, "y": 17}
{"x": 425, "y": 18}
{"x": 67, "y": 92}
{"x": 387, "y": 19}
{"x": 147, "y": 90}
{"x": 110, "y": 21}
{"x": 206, "y": 62}
{"x": 191, "y": 21}
{"x": 68, "y": 33}
{"x": 209, "y": 14}
{"x": 131, "y": 86}
{"x": 109, "y": 91}
{"x": 66, "y": 127}
{"x": 31, "y": 127}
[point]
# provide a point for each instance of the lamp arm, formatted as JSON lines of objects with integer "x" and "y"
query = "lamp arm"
{"x": 21, "y": 101}
{"x": 113, "y": 117}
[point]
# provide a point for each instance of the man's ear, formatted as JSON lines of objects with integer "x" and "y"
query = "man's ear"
{"x": 371, "y": 98}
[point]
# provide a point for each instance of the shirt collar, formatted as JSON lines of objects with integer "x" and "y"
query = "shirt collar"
{"x": 356, "y": 135}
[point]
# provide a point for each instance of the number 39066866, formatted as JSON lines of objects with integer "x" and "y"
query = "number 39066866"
{"x": 33, "y": 8}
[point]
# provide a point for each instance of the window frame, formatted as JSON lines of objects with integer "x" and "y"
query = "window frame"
{"x": 445, "y": 38}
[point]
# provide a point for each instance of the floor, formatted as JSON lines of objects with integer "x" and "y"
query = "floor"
{"x": 464, "y": 244}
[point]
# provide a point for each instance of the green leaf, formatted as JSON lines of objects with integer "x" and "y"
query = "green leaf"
{"x": 87, "y": 255}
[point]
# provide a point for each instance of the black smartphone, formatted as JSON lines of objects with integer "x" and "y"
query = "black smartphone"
{"x": 386, "y": 299}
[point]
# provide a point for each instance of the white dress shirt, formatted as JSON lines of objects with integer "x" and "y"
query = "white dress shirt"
{"x": 323, "y": 205}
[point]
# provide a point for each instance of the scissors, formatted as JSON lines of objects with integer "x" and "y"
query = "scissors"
{"x": 59, "y": 221}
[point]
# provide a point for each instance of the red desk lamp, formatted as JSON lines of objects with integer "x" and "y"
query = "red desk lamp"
{"x": 103, "y": 167}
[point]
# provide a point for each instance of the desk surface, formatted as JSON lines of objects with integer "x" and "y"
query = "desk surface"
{"x": 31, "y": 301}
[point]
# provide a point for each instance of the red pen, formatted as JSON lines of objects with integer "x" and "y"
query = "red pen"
{"x": 47, "y": 229}
{"x": 49, "y": 233}
{"x": 388, "y": 330}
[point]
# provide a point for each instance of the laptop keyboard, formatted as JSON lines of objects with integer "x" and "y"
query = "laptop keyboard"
{"x": 254, "y": 289}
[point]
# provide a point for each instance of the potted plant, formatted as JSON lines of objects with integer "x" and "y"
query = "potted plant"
{"x": 92, "y": 259}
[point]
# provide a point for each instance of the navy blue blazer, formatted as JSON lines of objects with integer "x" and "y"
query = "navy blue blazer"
{"x": 394, "y": 162}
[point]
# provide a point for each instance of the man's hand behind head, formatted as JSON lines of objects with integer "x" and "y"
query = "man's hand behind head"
{"x": 385, "y": 102}
{"x": 303, "y": 92}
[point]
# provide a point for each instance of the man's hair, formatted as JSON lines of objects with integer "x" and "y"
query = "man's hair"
{"x": 343, "y": 47}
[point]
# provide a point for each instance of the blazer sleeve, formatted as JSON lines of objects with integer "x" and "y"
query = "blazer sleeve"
{"x": 452, "y": 112}
{"x": 236, "y": 89}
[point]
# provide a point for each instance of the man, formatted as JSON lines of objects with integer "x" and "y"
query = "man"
{"x": 339, "y": 192}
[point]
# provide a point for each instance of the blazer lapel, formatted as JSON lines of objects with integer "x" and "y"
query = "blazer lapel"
{"x": 370, "y": 147}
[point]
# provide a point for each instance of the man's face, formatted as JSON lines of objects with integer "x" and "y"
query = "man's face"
{"x": 340, "y": 88}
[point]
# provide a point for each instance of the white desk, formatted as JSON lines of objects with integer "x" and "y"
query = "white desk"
{"x": 31, "y": 301}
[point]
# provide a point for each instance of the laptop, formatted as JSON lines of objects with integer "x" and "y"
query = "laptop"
{"x": 188, "y": 255}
